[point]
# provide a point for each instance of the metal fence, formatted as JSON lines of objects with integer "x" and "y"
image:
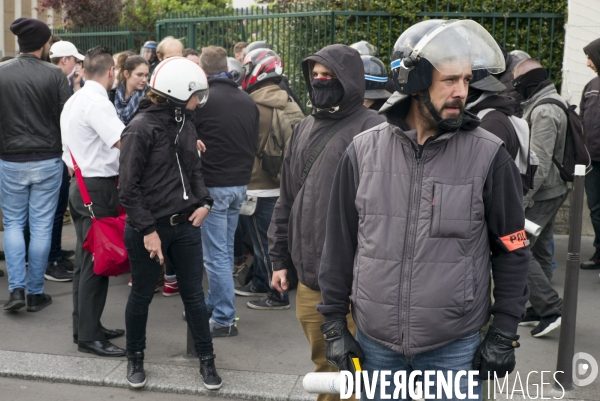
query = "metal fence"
{"x": 299, "y": 29}
{"x": 115, "y": 38}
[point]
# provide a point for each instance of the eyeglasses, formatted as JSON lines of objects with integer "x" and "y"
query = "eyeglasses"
{"x": 516, "y": 82}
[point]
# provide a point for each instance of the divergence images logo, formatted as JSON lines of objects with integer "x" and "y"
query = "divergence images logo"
{"x": 581, "y": 368}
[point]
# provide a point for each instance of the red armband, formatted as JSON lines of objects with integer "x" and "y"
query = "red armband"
{"x": 515, "y": 241}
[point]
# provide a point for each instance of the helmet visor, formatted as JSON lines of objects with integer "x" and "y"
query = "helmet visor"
{"x": 458, "y": 43}
{"x": 202, "y": 96}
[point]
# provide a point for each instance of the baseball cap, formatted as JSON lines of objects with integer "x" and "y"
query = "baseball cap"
{"x": 65, "y": 49}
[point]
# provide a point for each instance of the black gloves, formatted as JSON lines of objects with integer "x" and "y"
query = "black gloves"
{"x": 340, "y": 345}
{"x": 496, "y": 354}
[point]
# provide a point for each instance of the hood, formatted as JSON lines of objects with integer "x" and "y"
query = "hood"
{"x": 503, "y": 103}
{"x": 347, "y": 65}
{"x": 270, "y": 96}
{"x": 396, "y": 108}
{"x": 593, "y": 52}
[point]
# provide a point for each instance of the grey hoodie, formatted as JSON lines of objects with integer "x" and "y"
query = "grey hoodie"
{"x": 297, "y": 231}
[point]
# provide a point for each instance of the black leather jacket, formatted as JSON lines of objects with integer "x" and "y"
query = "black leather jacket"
{"x": 32, "y": 95}
{"x": 151, "y": 184}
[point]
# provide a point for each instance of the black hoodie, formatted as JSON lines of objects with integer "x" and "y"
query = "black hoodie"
{"x": 497, "y": 121}
{"x": 297, "y": 231}
{"x": 589, "y": 108}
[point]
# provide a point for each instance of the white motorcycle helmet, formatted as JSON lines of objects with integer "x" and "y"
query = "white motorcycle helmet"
{"x": 178, "y": 79}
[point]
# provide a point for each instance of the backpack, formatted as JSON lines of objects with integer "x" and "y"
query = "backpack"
{"x": 527, "y": 162}
{"x": 575, "y": 150}
{"x": 282, "y": 126}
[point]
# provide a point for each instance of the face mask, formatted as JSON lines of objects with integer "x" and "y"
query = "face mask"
{"x": 327, "y": 93}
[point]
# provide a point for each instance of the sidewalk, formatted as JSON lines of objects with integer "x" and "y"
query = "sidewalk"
{"x": 266, "y": 361}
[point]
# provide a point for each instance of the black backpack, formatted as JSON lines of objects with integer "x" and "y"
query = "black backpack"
{"x": 575, "y": 150}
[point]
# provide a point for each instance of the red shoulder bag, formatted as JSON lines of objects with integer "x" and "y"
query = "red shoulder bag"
{"x": 105, "y": 240}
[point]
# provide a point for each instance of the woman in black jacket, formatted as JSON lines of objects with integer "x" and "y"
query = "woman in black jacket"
{"x": 163, "y": 192}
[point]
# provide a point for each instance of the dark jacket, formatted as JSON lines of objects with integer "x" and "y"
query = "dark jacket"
{"x": 297, "y": 231}
{"x": 228, "y": 126}
{"x": 497, "y": 121}
{"x": 589, "y": 108}
{"x": 412, "y": 236}
{"x": 32, "y": 95}
{"x": 150, "y": 183}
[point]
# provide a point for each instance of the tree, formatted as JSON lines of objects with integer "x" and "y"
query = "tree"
{"x": 77, "y": 13}
{"x": 141, "y": 15}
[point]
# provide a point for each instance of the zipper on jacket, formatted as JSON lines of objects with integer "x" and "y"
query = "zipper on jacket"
{"x": 409, "y": 242}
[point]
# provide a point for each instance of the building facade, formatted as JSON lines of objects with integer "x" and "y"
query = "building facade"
{"x": 13, "y": 9}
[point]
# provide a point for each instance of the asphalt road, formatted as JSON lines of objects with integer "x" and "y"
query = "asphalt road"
{"x": 21, "y": 390}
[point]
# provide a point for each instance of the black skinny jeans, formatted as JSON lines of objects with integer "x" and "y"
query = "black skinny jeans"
{"x": 182, "y": 243}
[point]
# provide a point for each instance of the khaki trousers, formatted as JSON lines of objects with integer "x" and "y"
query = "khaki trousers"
{"x": 311, "y": 321}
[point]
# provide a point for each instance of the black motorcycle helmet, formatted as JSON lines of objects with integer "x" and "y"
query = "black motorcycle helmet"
{"x": 259, "y": 44}
{"x": 375, "y": 78}
{"x": 365, "y": 48}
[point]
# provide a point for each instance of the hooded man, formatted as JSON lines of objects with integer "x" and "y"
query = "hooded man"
{"x": 335, "y": 81}
{"x": 548, "y": 128}
{"x": 588, "y": 110}
{"x": 422, "y": 208}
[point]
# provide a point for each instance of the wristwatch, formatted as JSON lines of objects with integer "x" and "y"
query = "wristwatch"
{"x": 207, "y": 206}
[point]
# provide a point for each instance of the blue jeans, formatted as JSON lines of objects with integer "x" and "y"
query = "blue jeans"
{"x": 218, "y": 231}
{"x": 258, "y": 224}
{"x": 455, "y": 356}
{"x": 29, "y": 190}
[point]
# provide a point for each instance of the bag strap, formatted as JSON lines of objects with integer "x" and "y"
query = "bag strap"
{"x": 321, "y": 145}
{"x": 85, "y": 196}
{"x": 556, "y": 102}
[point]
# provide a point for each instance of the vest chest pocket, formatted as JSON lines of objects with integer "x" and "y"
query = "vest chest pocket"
{"x": 451, "y": 210}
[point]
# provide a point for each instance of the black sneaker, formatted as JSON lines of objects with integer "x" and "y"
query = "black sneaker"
{"x": 546, "y": 325}
{"x": 67, "y": 265}
{"x": 136, "y": 376}
{"x": 531, "y": 318}
{"x": 593, "y": 263}
{"x": 37, "y": 302}
{"x": 56, "y": 272}
{"x": 249, "y": 291}
{"x": 208, "y": 371}
{"x": 67, "y": 254}
{"x": 216, "y": 330}
{"x": 16, "y": 300}
{"x": 272, "y": 301}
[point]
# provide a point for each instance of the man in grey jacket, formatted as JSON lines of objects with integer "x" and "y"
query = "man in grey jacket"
{"x": 422, "y": 208}
{"x": 548, "y": 127}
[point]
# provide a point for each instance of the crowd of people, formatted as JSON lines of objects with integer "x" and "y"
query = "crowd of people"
{"x": 399, "y": 198}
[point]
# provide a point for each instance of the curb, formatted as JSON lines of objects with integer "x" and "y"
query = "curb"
{"x": 161, "y": 377}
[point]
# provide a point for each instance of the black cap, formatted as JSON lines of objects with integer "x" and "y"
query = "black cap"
{"x": 32, "y": 34}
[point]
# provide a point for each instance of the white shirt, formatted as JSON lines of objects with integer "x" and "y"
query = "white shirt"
{"x": 264, "y": 193}
{"x": 90, "y": 128}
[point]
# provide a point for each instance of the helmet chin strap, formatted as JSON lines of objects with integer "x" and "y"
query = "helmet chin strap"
{"x": 443, "y": 124}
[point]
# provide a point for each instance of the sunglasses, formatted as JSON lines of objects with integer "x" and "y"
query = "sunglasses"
{"x": 516, "y": 82}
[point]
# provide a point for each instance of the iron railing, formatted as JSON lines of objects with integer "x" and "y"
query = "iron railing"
{"x": 299, "y": 29}
{"x": 115, "y": 38}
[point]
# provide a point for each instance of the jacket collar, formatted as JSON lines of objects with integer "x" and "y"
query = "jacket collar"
{"x": 548, "y": 90}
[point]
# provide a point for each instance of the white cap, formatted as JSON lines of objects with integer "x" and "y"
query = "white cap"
{"x": 65, "y": 49}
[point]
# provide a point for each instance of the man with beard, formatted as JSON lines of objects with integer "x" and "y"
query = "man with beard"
{"x": 335, "y": 81}
{"x": 589, "y": 110}
{"x": 548, "y": 128}
{"x": 422, "y": 208}
{"x": 32, "y": 95}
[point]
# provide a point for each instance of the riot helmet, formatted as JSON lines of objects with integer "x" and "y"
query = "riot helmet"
{"x": 446, "y": 45}
{"x": 236, "y": 70}
{"x": 375, "y": 78}
{"x": 365, "y": 48}
{"x": 148, "y": 51}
